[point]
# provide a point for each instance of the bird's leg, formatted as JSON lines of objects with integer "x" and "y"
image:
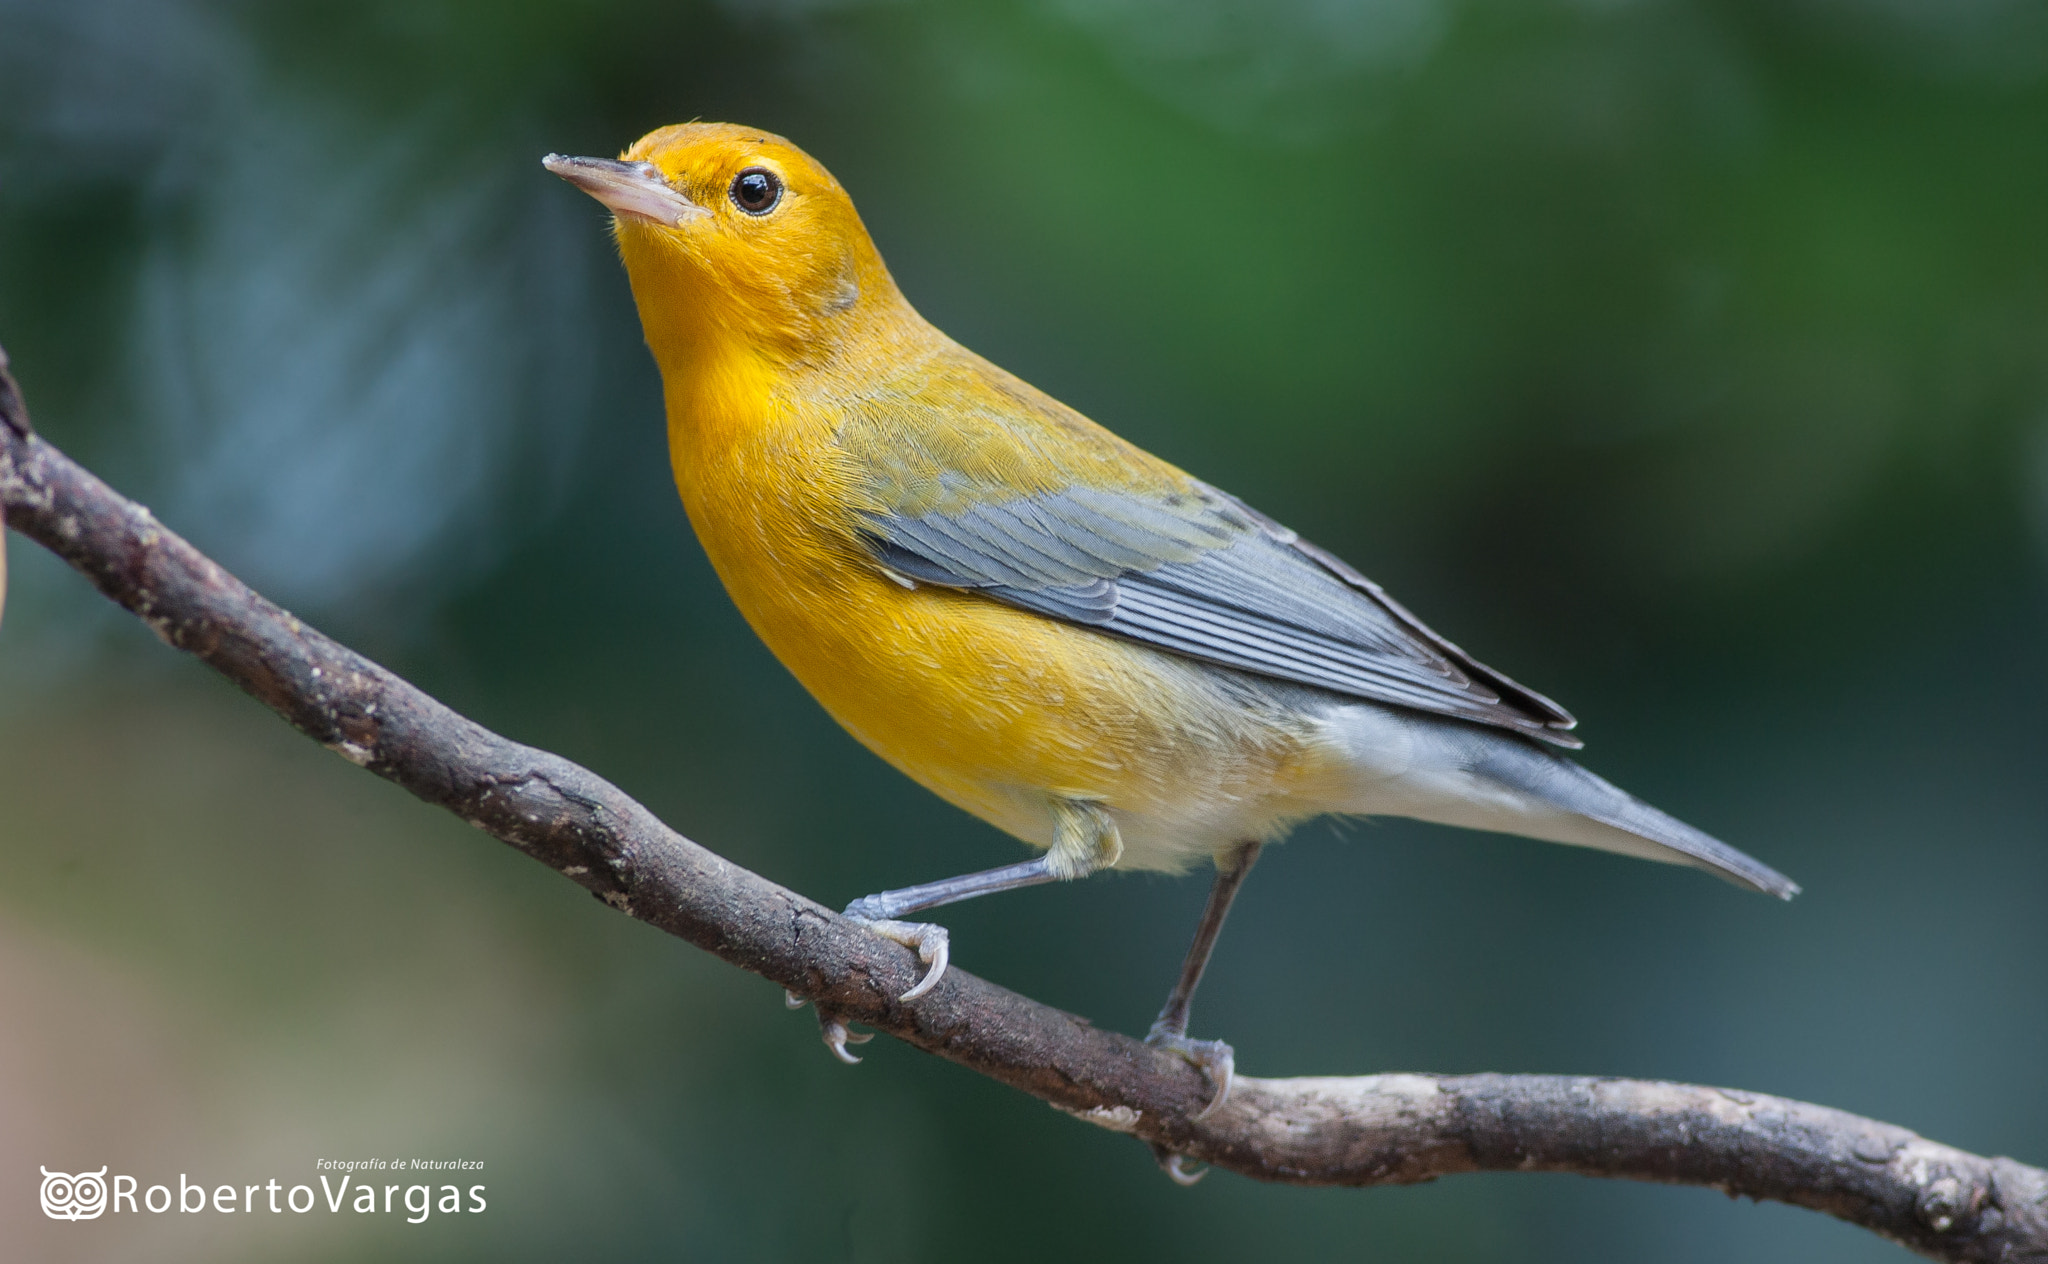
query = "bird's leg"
{"x": 1085, "y": 839}
{"x": 1170, "y": 1030}
{"x": 879, "y": 914}
{"x": 1173, "y": 1017}
{"x": 889, "y": 904}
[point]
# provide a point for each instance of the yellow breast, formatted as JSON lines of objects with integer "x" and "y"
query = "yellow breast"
{"x": 993, "y": 708}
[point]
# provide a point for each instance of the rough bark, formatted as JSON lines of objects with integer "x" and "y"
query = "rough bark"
{"x": 1363, "y": 1130}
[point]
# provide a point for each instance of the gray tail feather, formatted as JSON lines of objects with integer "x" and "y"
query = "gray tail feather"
{"x": 1558, "y": 781}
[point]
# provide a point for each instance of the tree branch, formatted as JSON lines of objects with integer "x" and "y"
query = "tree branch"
{"x": 1366, "y": 1130}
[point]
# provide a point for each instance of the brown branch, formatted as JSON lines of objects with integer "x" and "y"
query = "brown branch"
{"x": 1368, "y": 1130}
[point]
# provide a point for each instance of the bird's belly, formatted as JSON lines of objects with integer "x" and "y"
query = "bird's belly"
{"x": 1001, "y": 711}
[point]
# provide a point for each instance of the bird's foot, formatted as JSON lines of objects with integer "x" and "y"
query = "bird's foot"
{"x": 928, "y": 939}
{"x": 1216, "y": 1059}
{"x": 832, "y": 1027}
{"x": 932, "y": 946}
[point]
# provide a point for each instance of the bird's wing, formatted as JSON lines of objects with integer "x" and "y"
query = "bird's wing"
{"x": 1193, "y": 571}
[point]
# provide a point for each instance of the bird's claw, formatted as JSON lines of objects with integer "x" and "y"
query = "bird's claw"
{"x": 930, "y": 940}
{"x": 1176, "y": 1166}
{"x": 1216, "y": 1059}
{"x": 837, "y": 1035}
{"x": 832, "y": 1027}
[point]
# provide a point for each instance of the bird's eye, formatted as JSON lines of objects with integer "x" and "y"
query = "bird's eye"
{"x": 756, "y": 190}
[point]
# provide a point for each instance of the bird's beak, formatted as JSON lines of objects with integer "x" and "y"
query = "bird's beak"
{"x": 637, "y": 189}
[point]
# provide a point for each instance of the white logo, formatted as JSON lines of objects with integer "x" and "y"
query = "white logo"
{"x": 86, "y": 1195}
{"x": 80, "y": 1197}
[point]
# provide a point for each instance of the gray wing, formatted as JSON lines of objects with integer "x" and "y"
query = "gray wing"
{"x": 1203, "y": 575}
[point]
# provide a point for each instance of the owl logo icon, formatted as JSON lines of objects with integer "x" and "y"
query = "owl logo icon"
{"x": 80, "y": 1197}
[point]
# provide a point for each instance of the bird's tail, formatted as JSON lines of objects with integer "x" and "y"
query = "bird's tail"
{"x": 1463, "y": 774}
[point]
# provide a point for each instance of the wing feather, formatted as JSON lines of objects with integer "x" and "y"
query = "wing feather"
{"x": 1202, "y": 575}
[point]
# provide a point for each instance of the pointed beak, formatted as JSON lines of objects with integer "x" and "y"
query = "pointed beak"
{"x": 637, "y": 189}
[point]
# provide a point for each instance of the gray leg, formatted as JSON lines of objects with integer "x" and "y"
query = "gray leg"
{"x": 1173, "y": 1017}
{"x": 888, "y": 904}
{"x": 931, "y": 942}
{"x": 1170, "y": 1030}
{"x": 1084, "y": 839}
{"x": 878, "y": 913}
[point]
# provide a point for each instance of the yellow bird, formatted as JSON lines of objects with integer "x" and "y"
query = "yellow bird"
{"x": 1039, "y": 622}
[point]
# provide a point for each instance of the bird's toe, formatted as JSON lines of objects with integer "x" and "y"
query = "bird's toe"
{"x": 1176, "y": 1166}
{"x": 833, "y": 1029}
{"x": 929, "y": 940}
{"x": 1216, "y": 1059}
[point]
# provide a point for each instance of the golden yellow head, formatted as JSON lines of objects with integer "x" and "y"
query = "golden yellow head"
{"x": 731, "y": 231}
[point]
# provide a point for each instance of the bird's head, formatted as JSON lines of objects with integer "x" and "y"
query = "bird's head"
{"x": 730, "y": 231}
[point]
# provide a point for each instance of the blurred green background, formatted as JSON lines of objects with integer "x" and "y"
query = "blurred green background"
{"x": 1688, "y": 361}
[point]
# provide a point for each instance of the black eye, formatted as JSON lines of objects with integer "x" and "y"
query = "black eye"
{"x": 756, "y": 190}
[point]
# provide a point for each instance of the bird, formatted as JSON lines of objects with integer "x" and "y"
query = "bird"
{"x": 1116, "y": 662}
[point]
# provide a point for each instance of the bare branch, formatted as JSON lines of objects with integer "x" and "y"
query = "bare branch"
{"x": 1368, "y": 1130}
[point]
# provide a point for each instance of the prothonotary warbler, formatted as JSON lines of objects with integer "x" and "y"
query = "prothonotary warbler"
{"x": 1074, "y": 640}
